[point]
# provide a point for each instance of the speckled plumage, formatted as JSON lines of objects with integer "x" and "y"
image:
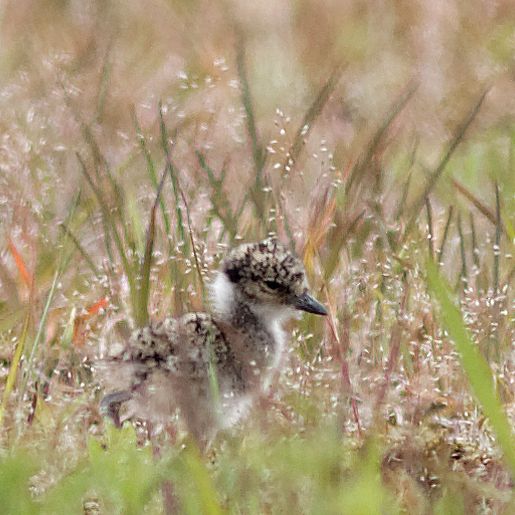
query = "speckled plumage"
{"x": 210, "y": 366}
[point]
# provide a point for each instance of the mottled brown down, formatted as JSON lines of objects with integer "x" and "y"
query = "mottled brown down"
{"x": 211, "y": 366}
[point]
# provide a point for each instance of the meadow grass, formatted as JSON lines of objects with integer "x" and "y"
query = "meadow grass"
{"x": 140, "y": 143}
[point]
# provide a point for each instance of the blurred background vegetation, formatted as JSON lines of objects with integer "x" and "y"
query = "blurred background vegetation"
{"x": 376, "y": 138}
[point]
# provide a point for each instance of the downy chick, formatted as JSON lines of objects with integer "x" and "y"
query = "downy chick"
{"x": 211, "y": 366}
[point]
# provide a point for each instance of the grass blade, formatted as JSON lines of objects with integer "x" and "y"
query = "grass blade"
{"x": 150, "y": 167}
{"x": 374, "y": 143}
{"x": 475, "y": 366}
{"x": 475, "y": 251}
{"x": 99, "y": 158}
{"x": 484, "y": 210}
{"x": 258, "y": 153}
{"x": 173, "y": 175}
{"x": 205, "y": 490}
{"x": 80, "y": 248}
{"x": 463, "y": 272}
{"x": 61, "y": 263}
{"x": 336, "y": 247}
{"x": 101, "y": 163}
{"x": 430, "y": 238}
{"x": 25, "y": 275}
{"x": 104, "y": 83}
{"x": 13, "y": 369}
{"x": 340, "y": 354}
{"x": 302, "y": 133}
{"x": 394, "y": 350}
{"x": 192, "y": 240}
{"x": 219, "y": 206}
{"x": 141, "y": 315}
{"x": 409, "y": 170}
{"x": 311, "y": 115}
{"x": 445, "y": 235}
{"x": 39, "y": 334}
{"x": 433, "y": 179}
{"x": 404, "y": 197}
{"x": 110, "y": 224}
{"x": 497, "y": 246}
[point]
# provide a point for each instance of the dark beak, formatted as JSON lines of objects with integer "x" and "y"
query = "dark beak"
{"x": 308, "y": 303}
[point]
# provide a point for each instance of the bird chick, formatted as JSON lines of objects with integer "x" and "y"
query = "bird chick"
{"x": 212, "y": 365}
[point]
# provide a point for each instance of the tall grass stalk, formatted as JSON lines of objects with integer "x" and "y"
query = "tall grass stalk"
{"x": 475, "y": 366}
{"x": 453, "y": 144}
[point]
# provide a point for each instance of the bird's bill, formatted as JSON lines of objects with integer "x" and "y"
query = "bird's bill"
{"x": 308, "y": 303}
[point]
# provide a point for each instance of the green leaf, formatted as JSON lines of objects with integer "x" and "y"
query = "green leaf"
{"x": 15, "y": 473}
{"x": 206, "y": 497}
{"x": 474, "y": 364}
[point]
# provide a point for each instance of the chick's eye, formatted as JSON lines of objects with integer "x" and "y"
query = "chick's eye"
{"x": 273, "y": 285}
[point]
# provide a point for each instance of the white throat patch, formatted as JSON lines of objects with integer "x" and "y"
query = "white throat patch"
{"x": 271, "y": 316}
{"x": 222, "y": 295}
